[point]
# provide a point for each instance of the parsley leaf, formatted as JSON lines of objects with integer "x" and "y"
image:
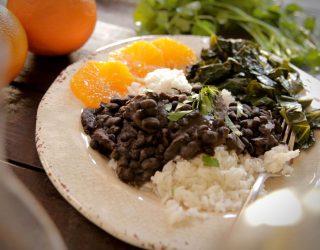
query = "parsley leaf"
{"x": 175, "y": 116}
{"x": 231, "y": 125}
{"x": 205, "y": 101}
{"x": 210, "y": 161}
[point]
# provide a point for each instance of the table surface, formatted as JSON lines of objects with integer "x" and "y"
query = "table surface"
{"x": 21, "y": 101}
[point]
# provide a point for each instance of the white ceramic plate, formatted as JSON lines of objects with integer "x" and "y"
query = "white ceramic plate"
{"x": 86, "y": 181}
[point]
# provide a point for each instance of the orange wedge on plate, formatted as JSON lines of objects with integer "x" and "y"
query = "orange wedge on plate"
{"x": 97, "y": 82}
{"x": 176, "y": 55}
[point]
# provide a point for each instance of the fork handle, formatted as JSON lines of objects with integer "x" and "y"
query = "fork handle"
{"x": 254, "y": 192}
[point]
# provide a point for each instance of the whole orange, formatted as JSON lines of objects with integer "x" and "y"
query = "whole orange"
{"x": 13, "y": 46}
{"x": 55, "y": 27}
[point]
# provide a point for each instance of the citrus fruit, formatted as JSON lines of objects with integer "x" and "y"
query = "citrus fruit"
{"x": 97, "y": 82}
{"x": 14, "y": 46}
{"x": 176, "y": 55}
{"x": 55, "y": 27}
{"x": 141, "y": 57}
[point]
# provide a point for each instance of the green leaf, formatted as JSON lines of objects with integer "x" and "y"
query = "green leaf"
{"x": 175, "y": 116}
{"x": 210, "y": 161}
{"x": 292, "y": 84}
{"x": 222, "y": 17}
{"x": 215, "y": 72}
{"x": 294, "y": 115}
{"x": 257, "y": 89}
{"x": 260, "y": 13}
{"x": 170, "y": 4}
{"x": 213, "y": 40}
{"x": 162, "y": 20}
{"x": 307, "y": 143}
{"x": 206, "y": 100}
{"x": 236, "y": 85}
{"x": 179, "y": 25}
{"x": 203, "y": 28}
{"x": 292, "y": 8}
{"x": 274, "y": 8}
{"x": 190, "y": 9}
{"x": 313, "y": 118}
{"x": 168, "y": 106}
{"x": 302, "y": 132}
{"x": 305, "y": 101}
{"x": 262, "y": 101}
{"x": 239, "y": 109}
{"x": 310, "y": 23}
{"x": 180, "y": 104}
{"x": 313, "y": 57}
{"x": 144, "y": 15}
{"x": 190, "y": 99}
{"x": 231, "y": 126}
{"x": 292, "y": 112}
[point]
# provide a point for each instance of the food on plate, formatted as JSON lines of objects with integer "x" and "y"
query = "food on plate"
{"x": 55, "y": 27}
{"x": 146, "y": 131}
{"x": 143, "y": 57}
{"x": 176, "y": 55}
{"x": 199, "y": 140}
{"x": 259, "y": 79}
{"x": 97, "y": 82}
{"x": 169, "y": 81}
{"x": 191, "y": 189}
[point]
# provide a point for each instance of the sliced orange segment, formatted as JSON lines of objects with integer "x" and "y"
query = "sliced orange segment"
{"x": 97, "y": 82}
{"x": 141, "y": 57}
{"x": 176, "y": 55}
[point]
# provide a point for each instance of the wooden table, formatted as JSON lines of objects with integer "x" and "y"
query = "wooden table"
{"x": 21, "y": 102}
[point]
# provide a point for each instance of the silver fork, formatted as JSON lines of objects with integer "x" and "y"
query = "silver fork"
{"x": 288, "y": 138}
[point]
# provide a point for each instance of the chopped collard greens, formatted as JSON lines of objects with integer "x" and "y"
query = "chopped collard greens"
{"x": 257, "y": 78}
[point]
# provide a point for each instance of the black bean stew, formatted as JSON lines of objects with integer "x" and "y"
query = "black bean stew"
{"x": 136, "y": 132}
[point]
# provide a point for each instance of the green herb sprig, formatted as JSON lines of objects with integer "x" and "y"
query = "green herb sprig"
{"x": 205, "y": 100}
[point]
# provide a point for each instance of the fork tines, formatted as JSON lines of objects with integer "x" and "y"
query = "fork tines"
{"x": 287, "y": 137}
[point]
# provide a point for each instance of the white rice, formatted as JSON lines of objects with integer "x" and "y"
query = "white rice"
{"x": 227, "y": 97}
{"x": 169, "y": 81}
{"x": 191, "y": 190}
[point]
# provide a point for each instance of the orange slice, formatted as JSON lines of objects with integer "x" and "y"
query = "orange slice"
{"x": 141, "y": 57}
{"x": 176, "y": 55}
{"x": 97, "y": 82}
